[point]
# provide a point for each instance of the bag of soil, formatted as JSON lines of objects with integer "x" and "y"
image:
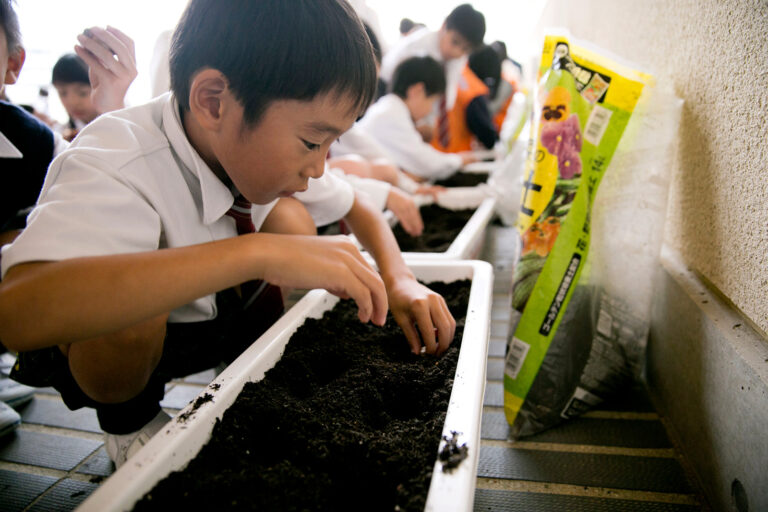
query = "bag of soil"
{"x": 590, "y": 235}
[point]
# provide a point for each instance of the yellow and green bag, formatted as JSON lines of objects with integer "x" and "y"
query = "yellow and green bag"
{"x": 582, "y": 104}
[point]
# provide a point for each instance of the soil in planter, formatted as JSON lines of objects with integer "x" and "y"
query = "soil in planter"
{"x": 464, "y": 179}
{"x": 441, "y": 227}
{"x": 348, "y": 419}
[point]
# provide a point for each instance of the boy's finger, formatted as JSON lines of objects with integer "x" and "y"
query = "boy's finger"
{"x": 114, "y": 45}
{"x": 446, "y": 326}
{"x": 411, "y": 334}
{"x": 90, "y": 60}
{"x": 426, "y": 330}
{"x": 376, "y": 290}
{"x": 127, "y": 41}
{"x": 99, "y": 51}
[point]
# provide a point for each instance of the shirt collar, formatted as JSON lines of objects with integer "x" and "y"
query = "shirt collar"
{"x": 217, "y": 198}
{"x": 7, "y": 149}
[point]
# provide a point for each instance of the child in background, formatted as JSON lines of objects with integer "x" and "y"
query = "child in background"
{"x": 134, "y": 240}
{"x": 70, "y": 79}
{"x": 462, "y": 31}
{"x": 417, "y": 84}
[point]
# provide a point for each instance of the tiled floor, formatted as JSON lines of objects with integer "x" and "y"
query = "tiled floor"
{"x": 616, "y": 458}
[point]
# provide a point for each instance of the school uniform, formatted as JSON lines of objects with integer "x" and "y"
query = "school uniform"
{"x": 132, "y": 182}
{"x": 390, "y": 122}
{"x": 27, "y": 147}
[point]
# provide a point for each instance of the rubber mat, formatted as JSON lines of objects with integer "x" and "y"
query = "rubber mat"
{"x": 99, "y": 464}
{"x": 494, "y": 394}
{"x": 202, "y": 378}
{"x": 497, "y": 348}
{"x": 590, "y": 431}
{"x": 612, "y": 471}
{"x": 180, "y": 395}
{"x": 54, "y": 413}
{"x": 46, "y": 450}
{"x": 21, "y": 489}
{"x": 510, "y": 501}
{"x": 494, "y": 370}
{"x": 67, "y": 494}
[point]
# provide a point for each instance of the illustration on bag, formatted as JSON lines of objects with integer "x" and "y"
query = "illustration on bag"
{"x": 582, "y": 104}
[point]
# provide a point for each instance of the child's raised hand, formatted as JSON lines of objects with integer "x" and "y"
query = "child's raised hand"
{"x": 111, "y": 60}
{"x": 333, "y": 263}
{"x": 406, "y": 211}
{"x": 423, "y": 316}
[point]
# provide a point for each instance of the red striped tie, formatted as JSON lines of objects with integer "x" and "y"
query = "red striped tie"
{"x": 443, "y": 134}
{"x": 257, "y": 294}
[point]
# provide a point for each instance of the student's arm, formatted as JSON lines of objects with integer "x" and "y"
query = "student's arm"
{"x": 51, "y": 303}
{"x": 421, "y": 313}
{"x": 480, "y": 123}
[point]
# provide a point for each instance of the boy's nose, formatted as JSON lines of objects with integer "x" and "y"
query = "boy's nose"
{"x": 315, "y": 169}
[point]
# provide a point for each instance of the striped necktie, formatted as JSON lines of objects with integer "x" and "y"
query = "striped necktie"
{"x": 256, "y": 294}
{"x": 443, "y": 134}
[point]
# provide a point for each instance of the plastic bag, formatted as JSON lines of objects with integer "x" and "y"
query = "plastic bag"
{"x": 581, "y": 288}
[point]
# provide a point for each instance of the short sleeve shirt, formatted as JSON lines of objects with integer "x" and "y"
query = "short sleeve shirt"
{"x": 130, "y": 182}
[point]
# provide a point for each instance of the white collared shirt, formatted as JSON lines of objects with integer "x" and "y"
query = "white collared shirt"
{"x": 389, "y": 122}
{"x": 132, "y": 182}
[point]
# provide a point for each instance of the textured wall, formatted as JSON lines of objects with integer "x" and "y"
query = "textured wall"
{"x": 715, "y": 53}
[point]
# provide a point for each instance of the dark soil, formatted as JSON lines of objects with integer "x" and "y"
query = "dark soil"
{"x": 441, "y": 227}
{"x": 464, "y": 179}
{"x": 348, "y": 419}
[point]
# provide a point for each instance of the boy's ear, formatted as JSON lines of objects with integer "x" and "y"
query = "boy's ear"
{"x": 207, "y": 97}
{"x": 15, "y": 63}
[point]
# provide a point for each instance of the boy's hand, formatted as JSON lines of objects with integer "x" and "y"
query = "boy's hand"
{"x": 406, "y": 211}
{"x": 111, "y": 60}
{"x": 423, "y": 316}
{"x": 333, "y": 263}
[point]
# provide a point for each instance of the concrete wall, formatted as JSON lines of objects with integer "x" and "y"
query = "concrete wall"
{"x": 708, "y": 351}
{"x": 715, "y": 54}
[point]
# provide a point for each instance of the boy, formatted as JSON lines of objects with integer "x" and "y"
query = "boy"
{"x": 417, "y": 84}
{"x": 27, "y": 147}
{"x": 462, "y": 30}
{"x": 133, "y": 243}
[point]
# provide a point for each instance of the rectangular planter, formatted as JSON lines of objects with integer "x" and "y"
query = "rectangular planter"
{"x": 180, "y": 441}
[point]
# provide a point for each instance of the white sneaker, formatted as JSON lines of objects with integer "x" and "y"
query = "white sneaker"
{"x": 9, "y": 419}
{"x": 122, "y": 447}
{"x": 14, "y": 393}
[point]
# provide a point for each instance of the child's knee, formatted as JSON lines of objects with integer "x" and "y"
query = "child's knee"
{"x": 116, "y": 367}
{"x": 289, "y": 217}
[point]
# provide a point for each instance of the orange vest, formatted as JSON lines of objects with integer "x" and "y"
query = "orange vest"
{"x": 498, "y": 119}
{"x": 460, "y": 138}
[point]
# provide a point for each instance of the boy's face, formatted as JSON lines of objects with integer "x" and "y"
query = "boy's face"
{"x": 10, "y": 64}
{"x": 76, "y": 98}
{"x": 452, "y": 44}
{"x": 287, "y": 147}
{"x": 419, "y": 104}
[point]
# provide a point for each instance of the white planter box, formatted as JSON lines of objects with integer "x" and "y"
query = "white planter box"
{"x": 179, "y": 442}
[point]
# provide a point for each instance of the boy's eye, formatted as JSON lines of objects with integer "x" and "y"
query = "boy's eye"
{"x": 310, "y": 146}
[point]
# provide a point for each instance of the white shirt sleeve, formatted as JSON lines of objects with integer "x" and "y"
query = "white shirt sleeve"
{"x": 357, "y": 141}
{"x": 328, "y": 198}
{"x": 389, "y": 121}
{"x": 80, "y": 207}
{"x": 377, "y": 191}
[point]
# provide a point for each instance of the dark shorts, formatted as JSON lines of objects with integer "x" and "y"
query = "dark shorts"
{"x": 188, "y": 348}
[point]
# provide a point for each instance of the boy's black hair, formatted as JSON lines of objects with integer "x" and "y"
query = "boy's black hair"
{"x": 374, "y": 42}
{"x": 70, "y": 69}
{"x": 406, "y": 25}
{"x": 485, "y": 63}
{"x": 468, "y": 22}
{"x": 416, "y": 70}
{"x": 274, "y": 50}
{"x": 9, "y": 22}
